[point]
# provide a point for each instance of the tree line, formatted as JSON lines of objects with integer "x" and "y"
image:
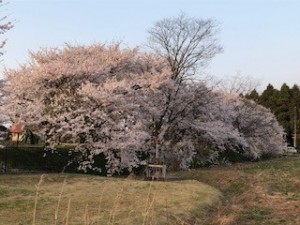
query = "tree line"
{"x": 284, "y": 104}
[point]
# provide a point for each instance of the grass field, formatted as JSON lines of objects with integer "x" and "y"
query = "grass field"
{"x": 78, "y": 199}
{"x": 257, "y": 193}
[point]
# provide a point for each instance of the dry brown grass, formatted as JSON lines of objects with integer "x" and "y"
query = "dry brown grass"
{"x": 266, "y": 192}
{"x": 79, "y": 199}
{"x": 260, "y": 193}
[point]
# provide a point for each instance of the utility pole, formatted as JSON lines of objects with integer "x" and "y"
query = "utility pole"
{"x": 295, "y": 127}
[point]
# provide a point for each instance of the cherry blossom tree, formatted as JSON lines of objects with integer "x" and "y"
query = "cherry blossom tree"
{"x": 125, "y": 105}
{"x": 3, "y": 100}
{"x": 186, "y": 44}
{"x": 4, "y": 27}
{"x": 259, "y": 127}
{"x": 241, "y": 128}
{"x": 109, "y": 101}
{"x": 101, "y": 97}
{"x": 4, "y": 118}
{"x": 130, "y": 106}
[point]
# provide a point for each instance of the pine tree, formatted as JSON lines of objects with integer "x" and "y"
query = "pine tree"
{"x": 283, "y": 110}
{"x": 269, "y": 98}
{"x": 253, "y": 95}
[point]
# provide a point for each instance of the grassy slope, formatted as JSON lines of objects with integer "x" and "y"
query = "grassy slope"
{"x": 98, "y": 200}
{"x": 266, "y": 192}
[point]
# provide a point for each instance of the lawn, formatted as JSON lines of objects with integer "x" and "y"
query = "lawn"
{"x": 84, "y": 199}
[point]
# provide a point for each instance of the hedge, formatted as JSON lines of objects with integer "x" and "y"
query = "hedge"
{"x": 35, "y": 158}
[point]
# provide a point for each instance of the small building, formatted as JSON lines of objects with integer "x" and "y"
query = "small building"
{"x": 17, "y": 132}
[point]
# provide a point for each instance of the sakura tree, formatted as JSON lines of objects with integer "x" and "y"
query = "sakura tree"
{"x": 3, "y": 100}
{"x": 259, "y": 127}
{"x": 129, "y": 106}
{"x": 102, "y": 97}
{"x": 187, "y": 44}
{"x": 4, "y": 27}
{"x": 245, "y": 129}
{"x": 111, "y": 101}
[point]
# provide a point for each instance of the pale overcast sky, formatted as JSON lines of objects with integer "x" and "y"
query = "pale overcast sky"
{"x": 261, "y": 38}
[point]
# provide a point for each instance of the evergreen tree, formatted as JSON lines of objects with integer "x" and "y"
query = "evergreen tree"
{"x": 253, "y": 95}
{"x": 284, "y": 103}
{"x": 283, "y": 109}
{"x": 269, "y": 98}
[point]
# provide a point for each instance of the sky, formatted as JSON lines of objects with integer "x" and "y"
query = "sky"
{"x": 260, "y": 38}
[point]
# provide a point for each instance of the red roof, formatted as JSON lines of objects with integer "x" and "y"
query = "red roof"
{"x": 17, "y": 128}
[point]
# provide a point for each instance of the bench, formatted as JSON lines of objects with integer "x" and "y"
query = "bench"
{"x": 156, "y": 172}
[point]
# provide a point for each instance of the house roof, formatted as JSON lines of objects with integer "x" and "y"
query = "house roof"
{"x": 17, "y": 128}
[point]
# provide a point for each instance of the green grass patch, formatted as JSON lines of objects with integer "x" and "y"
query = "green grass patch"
{"x": 256, "y": 216}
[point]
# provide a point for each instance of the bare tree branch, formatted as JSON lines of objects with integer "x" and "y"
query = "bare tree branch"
{"x": 186, "y": 43}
